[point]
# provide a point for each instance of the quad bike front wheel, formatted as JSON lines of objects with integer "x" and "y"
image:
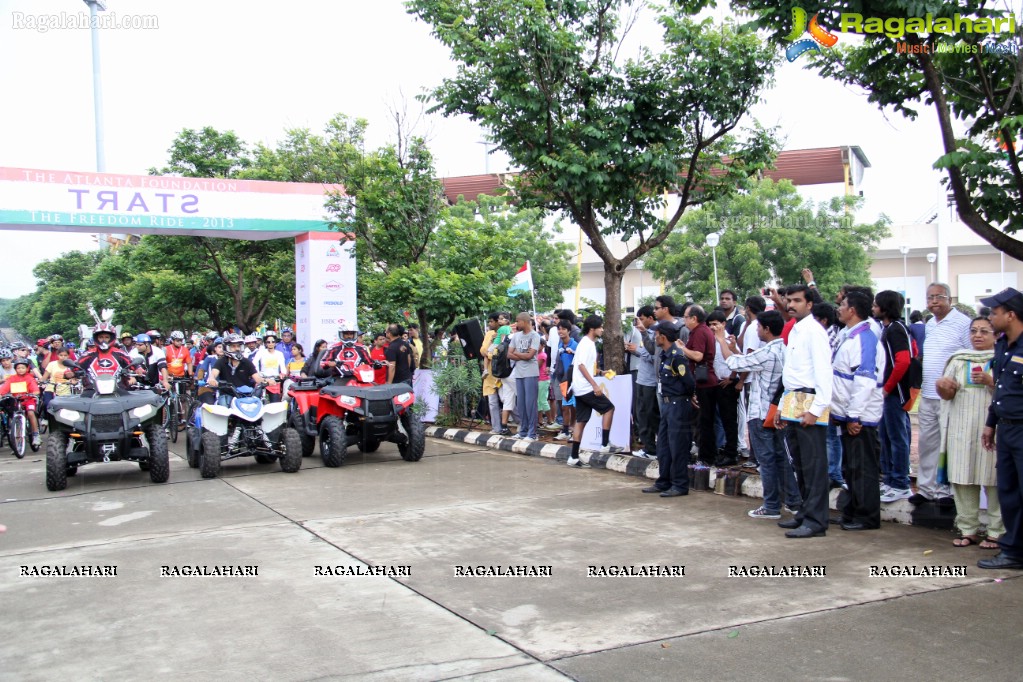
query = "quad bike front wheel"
{"x": 333, "y": 442}
{"x": 292, "y": 459}
{"x": 415, "y": 431}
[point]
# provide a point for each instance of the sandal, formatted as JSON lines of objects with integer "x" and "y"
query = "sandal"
{"x": 989, "y": 543}
{"x": 965, "y": 541}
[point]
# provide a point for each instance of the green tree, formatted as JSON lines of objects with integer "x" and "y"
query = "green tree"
{"x": 770, "y": 234}
{"x": 977, "y": 93}
{"x": 59, "y": 303}
{"x": 206, "y": 153}
{"x": 600, "y": 138}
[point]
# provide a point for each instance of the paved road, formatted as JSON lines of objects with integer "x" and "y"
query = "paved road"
{"x": 462, "y": 507}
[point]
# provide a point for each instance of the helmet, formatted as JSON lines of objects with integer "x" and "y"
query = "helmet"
{"x": 103, "y": 328}
{"x": 20, "y": 346}
{"x": 89, "y": 343}
{"x": 216, "y": 340}
{"x": 22, "y": 361}
{"x": 143, "y": 338}
{"x": 177, "y": 335}
{"x": 286, "y": 330}
{"x": 126, "y": 335}
{"x": 56, "y": 337}
{"x": 234, "y": 338}
{"x": 42, "y": 342}
{"x": 154, "y": 334}
{"x": 5, "y": 354}
{"x": 212, "y": 335}
{"x": 69, "y": 345}
{"x": 251, "y": 338}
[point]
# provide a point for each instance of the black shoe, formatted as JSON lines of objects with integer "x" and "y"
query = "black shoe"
{"x": 725, "y": 462}
{"x": 790, "y": 524}
{"x": 1001, "y": 561}
{"x": 838, "y": 522}
{"x": 856, "y": 526}
{"x": 805, "y": 532}
{"x": 505, "y": 431}
{"x": 654, "y": 489}
{"x": 674, "y": 492}
{"x": 946, "y": 502}
{"x": 916, "y": 499}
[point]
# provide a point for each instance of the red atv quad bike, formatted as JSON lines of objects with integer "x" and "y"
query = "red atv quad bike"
{"x": 352, "y": 410}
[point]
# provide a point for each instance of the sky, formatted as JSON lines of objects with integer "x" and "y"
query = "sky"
{"x": 258, "y": 68}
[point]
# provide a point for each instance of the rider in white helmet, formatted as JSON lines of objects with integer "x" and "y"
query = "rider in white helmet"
{"x": 344, "y": 356}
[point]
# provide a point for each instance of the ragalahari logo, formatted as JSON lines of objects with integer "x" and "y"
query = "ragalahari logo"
{"x": 818, "y": 35}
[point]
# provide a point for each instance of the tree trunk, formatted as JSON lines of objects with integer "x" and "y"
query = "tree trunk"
{"x": 614, "y": 342}
{"x": 426, "y": 361}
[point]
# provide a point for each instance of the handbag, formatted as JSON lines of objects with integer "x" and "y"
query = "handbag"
{"x": 700, "y": 373}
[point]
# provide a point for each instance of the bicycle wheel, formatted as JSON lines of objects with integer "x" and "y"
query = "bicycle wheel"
{"x": 18, "y": 428}
{"x": 184, "y": 409}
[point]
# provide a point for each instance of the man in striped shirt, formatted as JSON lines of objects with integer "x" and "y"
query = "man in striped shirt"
{"x": 947, "y": 332}
{"x": 765, "y": 365}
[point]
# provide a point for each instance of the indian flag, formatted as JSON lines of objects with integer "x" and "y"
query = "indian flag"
{"x": 522, "y": 282}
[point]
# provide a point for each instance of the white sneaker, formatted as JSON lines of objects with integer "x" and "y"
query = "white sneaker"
{"x": 644, "y": 454}
{"x": 895, "y": 494}
{"x": 884, "y": 489}
{"x": 577, "y": 463}
{"x": 527, "y": 439}
{"x": 639, "y": 453}
{"x": 36, "y": 440}
{"x": 610, "y": 449}
{"x": 563, "y": 436}
{"x": 762, "y": 513}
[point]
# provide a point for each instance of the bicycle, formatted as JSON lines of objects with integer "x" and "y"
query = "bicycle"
{"x": 17, "y": 433}
{"x": 180, "y": 404}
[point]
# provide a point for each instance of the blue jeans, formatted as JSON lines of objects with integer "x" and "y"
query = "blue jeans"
{"x": 895, "y": 433}
{"x": 527, "y": 390}
{"x": 835, "y": 454}
{"x": 776, "y": 473}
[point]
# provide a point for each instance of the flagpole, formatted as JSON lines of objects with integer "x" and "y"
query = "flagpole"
{"x": 532, "y": 294}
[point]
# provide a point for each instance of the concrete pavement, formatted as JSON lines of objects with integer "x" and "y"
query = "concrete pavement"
{"x": 467, "y": 508}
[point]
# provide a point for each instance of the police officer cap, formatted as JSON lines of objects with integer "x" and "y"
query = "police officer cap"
{"x": 1008, "y": 297}
{"x": 669, "y": 328}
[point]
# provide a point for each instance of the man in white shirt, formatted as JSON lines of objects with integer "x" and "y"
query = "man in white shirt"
{"x": 947, "y": 332}
{"x": 808, "y": 370}
{"x": 589, "y": 395}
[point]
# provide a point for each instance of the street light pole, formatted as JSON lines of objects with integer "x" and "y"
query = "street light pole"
{"x": 712, "y": 241}
{"x": 97, "y": 99}
{"x": 931, "y": 257}
{"x": 904, "y": 250}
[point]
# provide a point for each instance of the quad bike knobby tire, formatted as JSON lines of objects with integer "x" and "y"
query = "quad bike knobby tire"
{"x": 292, "y": 459}
{"x": 414, "y": 448}
{"x": 56, "y": 460}
{"x": 209, "y": 461}
{"x": 159, "y": 457}
{"x": 333, "y": 442}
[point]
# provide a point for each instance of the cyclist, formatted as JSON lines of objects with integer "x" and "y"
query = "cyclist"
{"x": 270, "y": 363}
{"x": 23, "y": 383}
{"x": 251, "y": 347}
{"x": 179, "y": 358}
{"x": 344, "y": 356}
{"x": 55, "y": 380}
{"x": 234, "y": 367}
{"x": 287, "y": 343}
{"x": 57, "y": 342}
{"x": 214, "y": 351}
{"x": 156, "y": 339}
{"x": 154, "y": 365}
{"x": 43, "y": 355}
{"x": 6, "y": 363}
{"x": 22, "y": 350}
{"x": 127, "y": 342}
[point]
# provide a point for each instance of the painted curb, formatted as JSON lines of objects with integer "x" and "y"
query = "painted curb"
{"x": 897, "y": 512}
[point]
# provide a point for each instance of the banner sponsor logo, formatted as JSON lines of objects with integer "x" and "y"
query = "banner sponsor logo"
{"x": 333, "y": 285}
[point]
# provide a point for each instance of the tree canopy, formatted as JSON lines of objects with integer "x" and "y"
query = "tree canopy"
{"x": 600, "y": 138}
{"x": 767, "y": 236}
{"x": 975, "y": 90}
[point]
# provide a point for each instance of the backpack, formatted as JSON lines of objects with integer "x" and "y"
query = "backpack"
{"x": 500, "y": 365}
{"x": 913, "y": 379}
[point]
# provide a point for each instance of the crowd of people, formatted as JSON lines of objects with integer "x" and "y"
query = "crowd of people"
{"x": 815, "y": 396}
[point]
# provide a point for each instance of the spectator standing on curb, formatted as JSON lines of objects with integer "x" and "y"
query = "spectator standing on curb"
{"x": 699, "y": 349}
{"x": 491, "y": 385}
{"x": 857, "y": 405}
{"x": 764, "y": 366}
{"x": 895, "y": 432}
{"x": 647, "y": 408}
{"x": 947, "y": 332}
{"x": 589, "y": 395}
{"x": 525, "y": 344}
{"x": 808, "y": 370}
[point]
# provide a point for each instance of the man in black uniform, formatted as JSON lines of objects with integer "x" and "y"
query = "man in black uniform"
{"x": 234, "y": 367}
{"x": 674, "y": 439}
{"x": 1006, "y": 416}
{"x": 399, "y": 356}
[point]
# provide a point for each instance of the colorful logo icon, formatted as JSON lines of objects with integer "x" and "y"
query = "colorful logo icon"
{"x": 819, "y": 36}
{"x": 332, "y": 252}
{"x": 333, "y": 267}
{"x": 332, "y": 285}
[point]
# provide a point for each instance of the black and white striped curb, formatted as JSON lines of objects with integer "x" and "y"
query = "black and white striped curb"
{"x": 899, "y": 512}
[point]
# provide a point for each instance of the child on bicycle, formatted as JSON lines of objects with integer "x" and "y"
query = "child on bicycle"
{"x": 22, "y": 383}
{"x": 55, "y": 379}
{"x": 297, "y": 361}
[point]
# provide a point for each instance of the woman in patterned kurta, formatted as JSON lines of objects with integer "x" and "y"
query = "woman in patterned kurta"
{"x": 966, "y": 388}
